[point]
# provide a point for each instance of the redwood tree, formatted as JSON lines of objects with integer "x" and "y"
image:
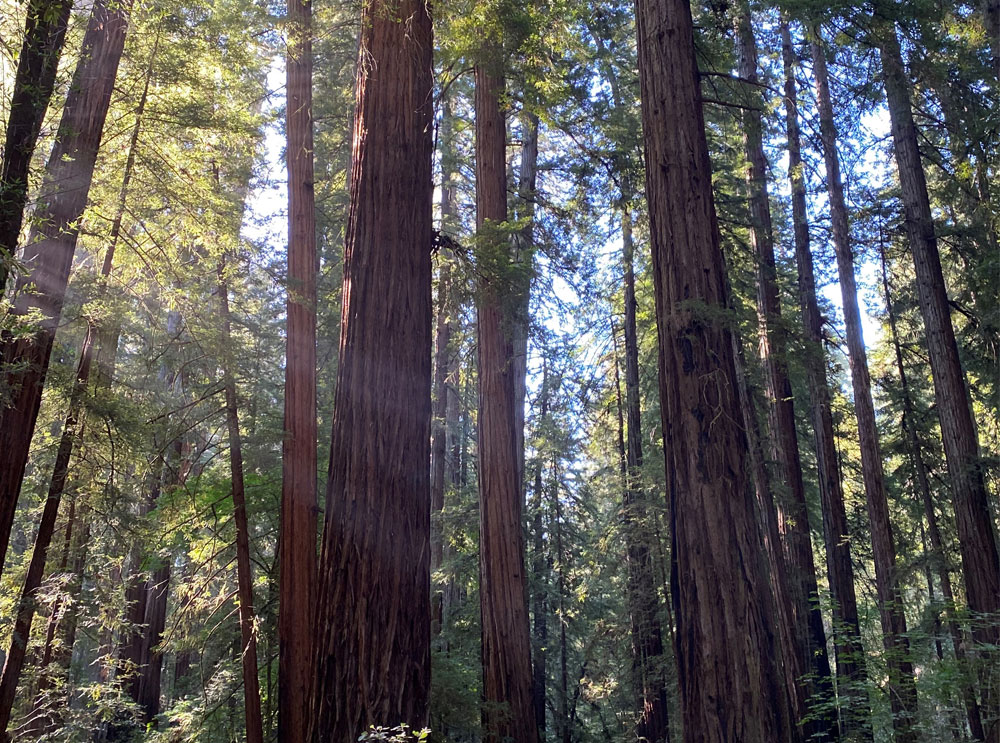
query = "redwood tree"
{"x": 44, "y": 33}
{"x": 729, "y": 690}
{"x": 506, "y": 647}
{"x": 297, "y": 537}
{"x": 976, "y": 531}
{"x": 52, "y": 243}
{"x": 809, "y": 636}
{"x": 902, "y": 690}
{"x": 840, "y": 570}
{"x": 373, "y": 618}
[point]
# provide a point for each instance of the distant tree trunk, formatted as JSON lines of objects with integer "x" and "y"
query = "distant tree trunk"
{"x": 151, "y": 663}
{"x": 522, "y": 243}
{"x": 729, "y": 691}
{"x": 539, "y": 600}
{"x": 44, "y": 32}
{"x": 443, "y": 359}
{"x": 938, "y": 559}
{"x": 902, "y": 690}
{"x": 565, "y": 716}
{"x": 976, "y": 530}
{"x": 648, "y": 653}
{"x": 508, "y": 711}
{"x": 848, "y": 650}
{"x": 297, "y": 537}
{"x": 47, "y": 712}
{"x": 991, "y": 10}
{"x": 244, "y": 572}
{"x": 793, "y": 515}
{"x": 373, "y": 631}
{"x": 52, "y": 242}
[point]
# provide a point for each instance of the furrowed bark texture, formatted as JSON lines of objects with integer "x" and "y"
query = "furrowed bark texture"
{"x": 373, "y": 626}
{"x": 840, "y": 570}
{"x": 52, "y": 242}
{"x": 506, "y": 646}
{"x": 297, "y": 537}
{"x": 244, "y": 571}
{"x": 791, "y": 663}
{"x": 648, "y": 652}
{"x": 730, "y": 685}
{"x": 976, "y": 532}
{"x": 902, "y": 690}
{"x": 44, "y": 33}
{"x": 793, "y": 519}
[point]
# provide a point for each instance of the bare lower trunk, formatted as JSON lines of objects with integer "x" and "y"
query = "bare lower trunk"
{"x": 791, "y": 662}
{"x": 902, "y": 690}
{"x": 52, "y": 243}
{"x": 506, "y": 646}
{"x": 729, "y": 691}
{"x": 373, "y": 626}
{"x": 44, "y": 33}
{"x": 793, "y": 520}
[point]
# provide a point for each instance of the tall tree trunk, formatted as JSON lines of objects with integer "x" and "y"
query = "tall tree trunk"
{"x": 27, "y": 604}
{"x": 648, "y": 653}
{"x": 729, "y": 691}
{"x": 540, "y": 602}
{"x": 44, "y": 32}
{"x": 373, "y": 630}
{"x": 902, "y": 690}
{"x": 565, "y": 716}
{"x": 848, "y": 650}
{"x": 244, "y": 572}
{"x": 443, "y": 359}
{"x": 523, "y": 242}
{"x": 793, "y": 516}
{"x": 508, "y": 711}
{"x": 938, "y": 559}
{"x": 52, "y": 242}
{"x": 297, "y": 537}
{"x": 767, "y": 513}
{"x": 976, "y": 531}
{"x": 72, "y": 428}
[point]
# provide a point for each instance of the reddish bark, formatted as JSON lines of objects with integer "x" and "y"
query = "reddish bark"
{"x": 730, "y": 685}
{"x": 244, "y": 572}
{"x": 506, "y": 647}
{"x": 793, "y": 516}
{"x": 373, "y": 626}
{"x": 976, "y": 532}
{"x": 297, "y": 537}
{"x": 648, "y": 652}
{"x": 902, "y": 690}
{"x": 52, "y": 243}
{"x": 44, "y": 33}
{"x": 848, "y": 649}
